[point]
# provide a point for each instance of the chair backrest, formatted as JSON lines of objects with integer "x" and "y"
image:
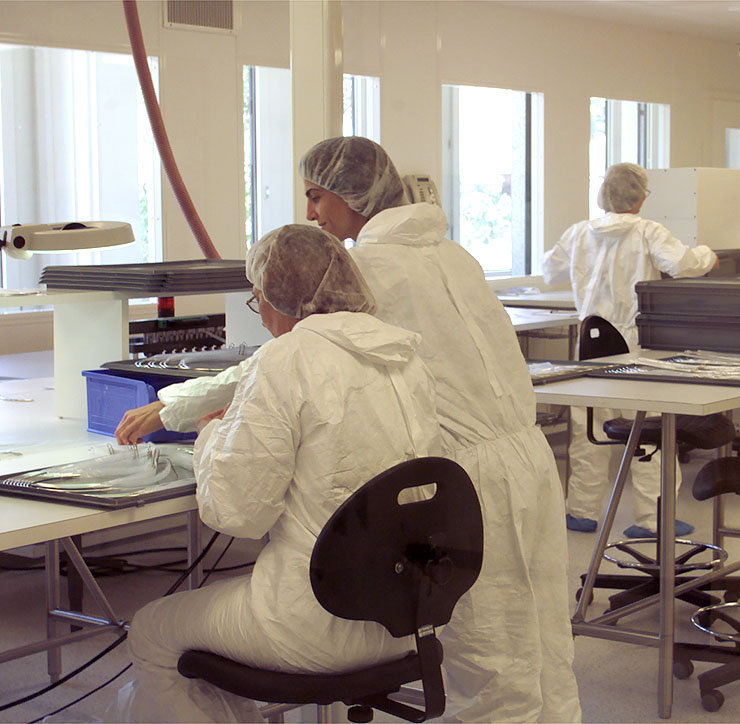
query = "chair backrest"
{"x": 404, "y": 565}
{"x": 599, "y": 338}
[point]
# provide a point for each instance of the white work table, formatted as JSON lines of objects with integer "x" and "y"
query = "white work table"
{"x": 542, "y": 300}
{"x": 34, "y": 437}
{"x": 526, "y": 319}
{"x": 668, "y": 399}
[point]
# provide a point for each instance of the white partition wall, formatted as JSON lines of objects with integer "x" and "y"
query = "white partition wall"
{"x": 698, "y": 205}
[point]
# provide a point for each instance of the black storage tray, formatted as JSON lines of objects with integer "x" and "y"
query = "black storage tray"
{"x": 157, "y": 278}
{"x": 729, "y": 263}
{"x": 713, "y": 297}
{"x": 680, "y": 332}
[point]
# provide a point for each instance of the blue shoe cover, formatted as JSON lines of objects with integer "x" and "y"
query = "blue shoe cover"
{"x": 583, "y": 525}
{"x": 637, "y": 531}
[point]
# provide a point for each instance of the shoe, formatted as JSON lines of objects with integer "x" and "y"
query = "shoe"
{"x": 637, "y": 531}
{"x": 583, "y": 525}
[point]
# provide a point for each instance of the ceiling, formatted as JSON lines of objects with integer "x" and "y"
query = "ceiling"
{"x": 718, "y": 19}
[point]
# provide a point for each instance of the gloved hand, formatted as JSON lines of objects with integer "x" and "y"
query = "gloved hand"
{"x": 137, "y": 423}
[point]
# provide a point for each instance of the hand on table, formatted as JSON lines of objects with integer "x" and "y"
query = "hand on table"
{"x": 137, "y": 423}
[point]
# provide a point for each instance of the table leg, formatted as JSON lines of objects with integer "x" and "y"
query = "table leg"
{"x": 53, "y": 598}
{"x": 667, "y": 558}
{"x": 195, "y": 545}
{"x": 606, "y": 524}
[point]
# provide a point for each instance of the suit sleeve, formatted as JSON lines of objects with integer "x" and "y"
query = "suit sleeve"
{"x": 245, "y": 463}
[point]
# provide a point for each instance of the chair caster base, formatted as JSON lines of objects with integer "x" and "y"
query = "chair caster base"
{"x": 682, "y": 668}
{"x": 578, "y": 596}
{"x": 360, "y": 714}
{"x": 712, "y": 700}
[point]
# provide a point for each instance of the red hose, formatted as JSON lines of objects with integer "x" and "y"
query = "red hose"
{"x": 160, "y": 134}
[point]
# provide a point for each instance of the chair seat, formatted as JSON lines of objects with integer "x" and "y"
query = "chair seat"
{"x": 291, "y": 688}
{"x": 705, "y": 432}
{"x": 717, "y": 477}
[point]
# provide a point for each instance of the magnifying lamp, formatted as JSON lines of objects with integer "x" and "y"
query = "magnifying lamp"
{"x": 20, "y": 241}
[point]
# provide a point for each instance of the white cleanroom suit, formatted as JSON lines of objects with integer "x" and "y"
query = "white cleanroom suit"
{"x": 508, "y": 647}
{"x": 318, "y": 412}
{"x": 603, "y": 259}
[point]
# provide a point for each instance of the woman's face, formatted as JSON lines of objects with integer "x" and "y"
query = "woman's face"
{"x": 332, "y": 212}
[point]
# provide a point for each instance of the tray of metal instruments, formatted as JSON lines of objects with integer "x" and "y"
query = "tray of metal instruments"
{"x": 696, "y": 367}
{"x": 543, "y": 371}
{"x": 127, "y": 476}
{"x": 185, "y": 365}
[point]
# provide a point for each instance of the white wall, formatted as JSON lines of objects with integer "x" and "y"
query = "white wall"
{"x": 423, "y": 44}
{"x": 414, "y": 46}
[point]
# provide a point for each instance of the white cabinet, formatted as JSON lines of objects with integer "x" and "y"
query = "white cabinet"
{"x": 698, "y": 205}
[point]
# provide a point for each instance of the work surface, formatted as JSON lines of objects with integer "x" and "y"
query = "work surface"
{"x": 672, "y": 397}
{"x": 33, "y": 437}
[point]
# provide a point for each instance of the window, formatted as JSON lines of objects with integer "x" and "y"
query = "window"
{"x": 492, "y": 175}
{"x": 76, "y": 145}
{"x": 732, "y": 147}
{"x": 268, "y": 159}
{"x": 361, "y": 107}
{"x": 268, "y": 150}
{"x": 626, "y": 132}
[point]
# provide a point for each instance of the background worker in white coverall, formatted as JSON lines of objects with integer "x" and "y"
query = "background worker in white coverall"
{"x": 317, "y": 412}
{"x": 508, "y": 647}
{"x": 603, "y": 259}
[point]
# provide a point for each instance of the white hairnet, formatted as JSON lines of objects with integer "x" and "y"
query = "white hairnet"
{"x": 303, "y": 270}
{"x": 357, "y": 170}
{"x": 625, "y": 185}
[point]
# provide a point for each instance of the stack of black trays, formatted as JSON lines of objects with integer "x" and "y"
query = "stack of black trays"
{"x": 157, "y": 279}
{"x": 689, "y": 314}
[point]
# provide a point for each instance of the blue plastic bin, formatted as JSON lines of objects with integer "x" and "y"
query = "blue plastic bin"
{"x": 110, "y": 395}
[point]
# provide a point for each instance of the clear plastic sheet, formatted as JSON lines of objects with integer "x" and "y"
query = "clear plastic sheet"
{"x": 130, "y": 472}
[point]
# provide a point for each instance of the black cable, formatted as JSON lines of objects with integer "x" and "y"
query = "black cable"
{"x": 66, "y": 678}
{"x": 115, "y": 644}
{"x": 218, "y": 560}
{"x": 119, "y": 566}
{"x": 84, "y": 696}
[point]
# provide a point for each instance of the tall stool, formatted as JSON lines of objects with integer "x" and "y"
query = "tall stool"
{"x": 720, "y": 620}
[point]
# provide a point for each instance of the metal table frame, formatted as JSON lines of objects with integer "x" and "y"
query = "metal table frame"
{"x": 669, "y": 399}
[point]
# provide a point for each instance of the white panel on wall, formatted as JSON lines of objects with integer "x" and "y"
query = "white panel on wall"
{"x": 698, "y": 205}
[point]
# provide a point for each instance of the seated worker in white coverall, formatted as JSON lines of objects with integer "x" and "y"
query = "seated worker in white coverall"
{"x": 603, "y": 259}
{"x": 508, "y": 647}
{"x": 336, "y": 398}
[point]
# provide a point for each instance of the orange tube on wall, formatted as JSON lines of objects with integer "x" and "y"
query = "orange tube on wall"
{"x": 160, "y": 134}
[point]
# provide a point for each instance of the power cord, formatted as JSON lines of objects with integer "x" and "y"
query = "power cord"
{"x": 117, "y": 642}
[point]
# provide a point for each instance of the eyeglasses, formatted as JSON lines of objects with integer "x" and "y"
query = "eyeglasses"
{"x": 253, "y": 304}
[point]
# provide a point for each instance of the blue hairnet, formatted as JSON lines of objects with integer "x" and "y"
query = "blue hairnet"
{"x": 624, "y": 186}
{"x": 357, "y": 170}
{"x": 303, "y": 270}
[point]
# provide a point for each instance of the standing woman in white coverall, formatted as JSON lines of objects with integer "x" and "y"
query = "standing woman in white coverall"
{"x": 508, "y": 647}
{"x": 603, "y": 259}
{"x": 336, "y": 398}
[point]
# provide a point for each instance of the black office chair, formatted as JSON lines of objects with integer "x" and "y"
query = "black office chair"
{"x": 715, "y": 478}
{"x": 402, "y": 565}
{"x": 599, "y": 338}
